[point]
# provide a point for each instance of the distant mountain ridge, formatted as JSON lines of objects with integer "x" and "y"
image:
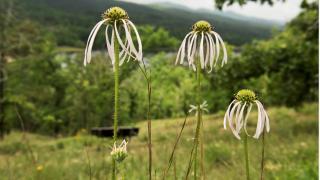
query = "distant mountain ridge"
{"x": 74, "y": 19}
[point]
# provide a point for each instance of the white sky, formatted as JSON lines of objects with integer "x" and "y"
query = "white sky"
{"x": 280, "y": 11}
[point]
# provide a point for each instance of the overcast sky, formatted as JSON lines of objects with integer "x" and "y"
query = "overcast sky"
{"x": 279, "y": 11}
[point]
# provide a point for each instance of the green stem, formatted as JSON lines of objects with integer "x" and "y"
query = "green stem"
{"x": 198, "y": 130}
{"x": 172, "y": 158}
{"x": 245, "y": 143}
{"x": 195, "y": 162}
{"x": 262, "y": 156}
{"x": 202, "y": 152}
{"x": 175, "y": 169}
{"x": 116, "y": 99}
{"x": 148, "y": 79}
{"x": 149, "y": 130}
{"x": 193, "y": 155}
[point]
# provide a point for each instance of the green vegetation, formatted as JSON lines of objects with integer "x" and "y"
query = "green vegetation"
{"x": 54, "y": 94}
{"x": 291, "y": 151}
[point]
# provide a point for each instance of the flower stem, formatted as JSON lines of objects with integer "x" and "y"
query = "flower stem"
{"x": 148, "y": 79}
{"x": 245, "y": 142}
{"x": 262, "y": 156}
{"x": 195, "y": 161}
{"x": 116, "y": 100}
{"x": 198, "y": 130}
{"x": 149, "y": 129}
{"x": 172, "y": 157}
{"x": 202, "y": 152}
{"x": 193, "y": 155}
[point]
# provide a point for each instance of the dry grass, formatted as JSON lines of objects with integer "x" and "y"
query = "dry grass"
{"x": 291, "y": 151}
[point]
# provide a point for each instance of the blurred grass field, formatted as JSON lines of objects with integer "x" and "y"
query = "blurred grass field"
{"x": 291, "y": 151}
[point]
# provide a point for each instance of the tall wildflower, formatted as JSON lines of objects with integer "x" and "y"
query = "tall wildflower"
{"x": 205, "y": 43}
{"x": 120, "y": 46}
{"x": 115, "y": 19}
{"x": 201, "y": 49}
{"x": 237, "y": 116}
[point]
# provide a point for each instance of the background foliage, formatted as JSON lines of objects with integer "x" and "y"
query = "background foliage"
{"x": 48, "y": 85}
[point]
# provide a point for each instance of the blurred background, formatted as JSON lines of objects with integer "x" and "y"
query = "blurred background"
{"x": 46, "y": 92}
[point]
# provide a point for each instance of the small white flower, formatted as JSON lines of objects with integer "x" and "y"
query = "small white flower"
{"x": 203, "y": 107}
{"x": 116, "y": 19}
{"x": 119, "y": 153}
{"x": 202, "y": 40}
{"x": 237, "y": 117}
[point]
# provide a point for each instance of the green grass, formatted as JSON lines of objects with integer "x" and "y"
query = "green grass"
{"x": 291, "y": 151}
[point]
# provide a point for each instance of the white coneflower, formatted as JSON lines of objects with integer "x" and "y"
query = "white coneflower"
{"x": 204, "y": 41}
{"x": 117, "y": 20}
{"x": 119, "y": 153}
{"x": 237, "y": 117}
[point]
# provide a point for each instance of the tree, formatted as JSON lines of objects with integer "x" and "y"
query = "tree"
{"x": 220, "y": 3}
{"x": 284, "y": 69}
{"x": 6, "y": 23}
{"x": 20, "y": 39}
{"x": 157, "y": 39}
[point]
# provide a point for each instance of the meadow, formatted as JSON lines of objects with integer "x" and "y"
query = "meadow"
{"x": 291, "y": 150}
{"x": 49, "y": 101}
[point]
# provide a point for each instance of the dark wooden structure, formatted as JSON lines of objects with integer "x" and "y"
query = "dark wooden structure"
{"x": 123, "y": 131}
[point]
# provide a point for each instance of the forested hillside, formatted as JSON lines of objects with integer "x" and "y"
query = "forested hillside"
{"x": 74, "y": 19}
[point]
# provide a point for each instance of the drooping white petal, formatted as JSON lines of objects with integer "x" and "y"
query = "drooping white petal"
{"x": 181, "y": 51}
{"x": 92, "y": 36}
{"x": 140, "y": 55}
{"x": 130, "y": 42}
{"x": 258, "y": 129}
{"x": 231, "y": 121}
{"x": 212, "y": 51}
{"x": 201, "y": 52}
{"x": 191, "y": 48}
{"x": 240, "y": 118}
{"x": 225, "y": 55}
{"x": 125, "y": 55}
{"x": 217, "y": 49}
{"x": 246, "y": 119}
{"x": 237, "y": 117}
{"x": 267, "y": 123}
{"x": 194, "y": 48}
{"x": 88, "y": 41}
{"x": 208, "y": 51}
{"x": 110, "y": 47}
{"x": 227, "y": 115}
{"x": 124, "y": 52}
{"x": 119, "y": 38}
{"x": 263, "y": 117}
{"x": 189, "y": 45}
